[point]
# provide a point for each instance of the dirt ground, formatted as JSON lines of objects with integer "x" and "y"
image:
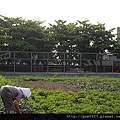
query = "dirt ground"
{"x": 50, "y": 85}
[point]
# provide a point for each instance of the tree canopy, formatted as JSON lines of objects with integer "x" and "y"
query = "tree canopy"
{"x": 17, "y": 34}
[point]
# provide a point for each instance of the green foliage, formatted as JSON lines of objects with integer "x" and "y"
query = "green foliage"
{"x": 17, "y": 34}
{"x": 82, "y": 102}
{"x": 48, "y": 78}
{"x": 100, "y": 99}
{"x": 97, "y": 95}
{"x": 4, "y": 81}
{"x": 23, "y": 35}
{"x": 26, "y": 78}
{"x": 30, "y": 35}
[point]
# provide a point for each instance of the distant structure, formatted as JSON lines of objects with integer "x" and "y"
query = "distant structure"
{"x": 118, "y": 33}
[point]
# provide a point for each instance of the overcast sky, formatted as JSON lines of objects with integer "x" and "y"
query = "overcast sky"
{"x": 102, "y": 11}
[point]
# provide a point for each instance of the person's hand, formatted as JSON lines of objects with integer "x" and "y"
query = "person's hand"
{"x": 16, "y": 103}
{"x": 20, "y": 112}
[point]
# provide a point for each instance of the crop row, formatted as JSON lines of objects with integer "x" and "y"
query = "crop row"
{"x": 83, "y": 102}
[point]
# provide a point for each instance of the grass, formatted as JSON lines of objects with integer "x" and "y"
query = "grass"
{"x": 62, "y": 78}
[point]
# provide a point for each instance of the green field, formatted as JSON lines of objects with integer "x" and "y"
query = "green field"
{"x": 97, "y": 95}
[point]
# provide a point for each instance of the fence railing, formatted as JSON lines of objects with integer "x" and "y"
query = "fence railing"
{"x": 20, "y": 61}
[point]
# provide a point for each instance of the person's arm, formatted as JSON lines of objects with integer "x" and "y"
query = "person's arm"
{"x": 16, "y": 103}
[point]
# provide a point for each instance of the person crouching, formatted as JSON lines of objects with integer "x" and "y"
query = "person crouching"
{"x": 11, "y": 95}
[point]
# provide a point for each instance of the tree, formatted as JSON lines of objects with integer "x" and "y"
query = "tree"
{"x": 63, "y": 35}
{"x": 26, "y": 35}
{"x": 4, "y": 35}
{"x": 81, "y": 37}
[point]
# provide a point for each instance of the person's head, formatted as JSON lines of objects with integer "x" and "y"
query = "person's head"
{"x": 26, "y": 92}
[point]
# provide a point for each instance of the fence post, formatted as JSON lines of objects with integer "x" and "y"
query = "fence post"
{"x": 80, "y": 63}
{"x": 112, "y": 66}
{"x": 96, "y": 62}
{"x": 31, "y": 62}
{"x": 64, "y": 63}
{"x": 14, "y": 61}
{"x": 48, "y": 62}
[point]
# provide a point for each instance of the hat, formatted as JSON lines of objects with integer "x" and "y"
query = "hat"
{"x": 26, "y": 92}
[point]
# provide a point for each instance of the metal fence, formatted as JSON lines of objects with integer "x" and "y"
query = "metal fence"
{"x": 20, "y": 61}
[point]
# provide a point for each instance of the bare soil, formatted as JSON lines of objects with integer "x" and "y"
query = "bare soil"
{"x": 50, "y": 85}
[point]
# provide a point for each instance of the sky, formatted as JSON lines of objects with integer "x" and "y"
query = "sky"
{"x": 102, "y": 11}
